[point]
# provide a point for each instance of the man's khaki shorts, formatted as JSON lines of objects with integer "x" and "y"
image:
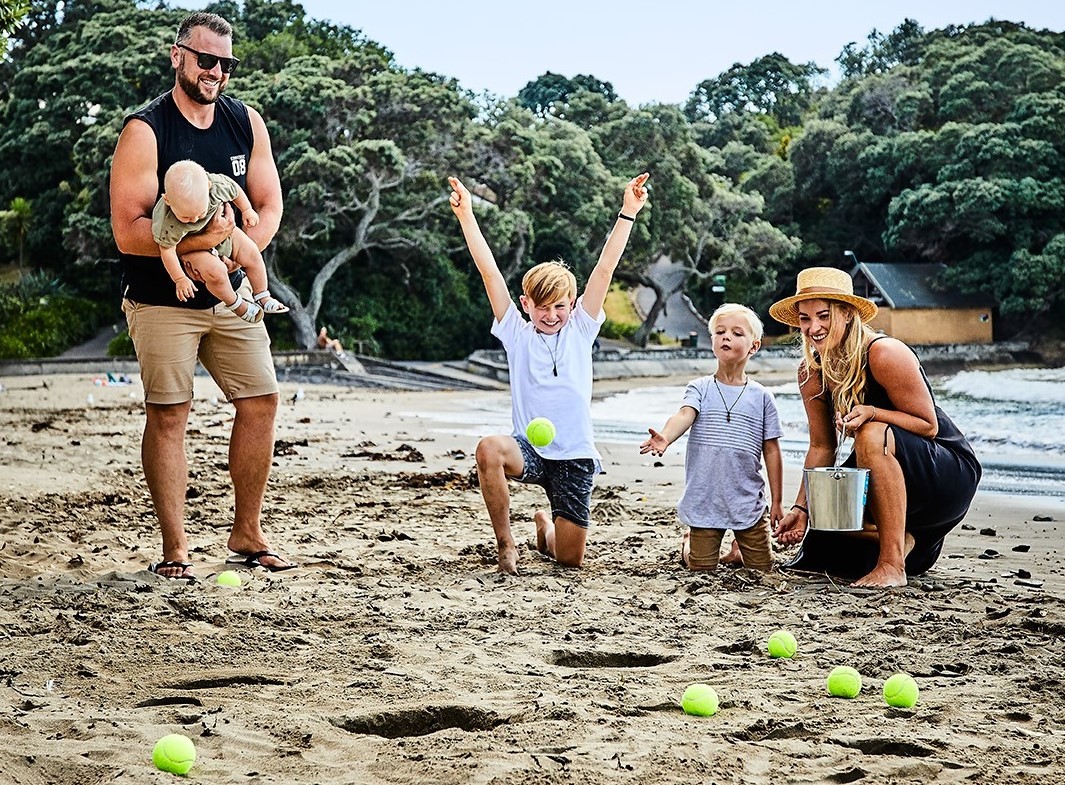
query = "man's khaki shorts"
{"x": 169, "y": 341}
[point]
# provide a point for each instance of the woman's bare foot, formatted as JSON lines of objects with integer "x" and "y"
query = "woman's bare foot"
{"x": 883, "y": 576}
{"x": 733, "y": 558}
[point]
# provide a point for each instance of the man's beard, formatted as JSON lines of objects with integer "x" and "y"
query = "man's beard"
{"x": 193, "y": 91}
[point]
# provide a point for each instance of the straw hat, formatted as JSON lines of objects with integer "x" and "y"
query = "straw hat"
{"x": 822, "y": 283}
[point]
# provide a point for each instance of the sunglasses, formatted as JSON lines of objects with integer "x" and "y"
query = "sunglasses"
{"x": 207, "y": 62}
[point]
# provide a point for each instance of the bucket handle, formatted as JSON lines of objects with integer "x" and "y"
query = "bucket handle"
{"x": 839, "y": 447}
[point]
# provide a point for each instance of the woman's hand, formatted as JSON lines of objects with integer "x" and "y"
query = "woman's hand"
{"x": 855, "y": 418}
{"x": 791, "y": 528}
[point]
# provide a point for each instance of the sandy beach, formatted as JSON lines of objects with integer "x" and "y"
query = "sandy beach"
{"x": 398, "y": 654}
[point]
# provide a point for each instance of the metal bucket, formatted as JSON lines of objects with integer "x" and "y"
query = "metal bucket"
{"x": 835, "y": 497}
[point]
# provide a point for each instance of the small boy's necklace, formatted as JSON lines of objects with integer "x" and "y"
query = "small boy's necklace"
{"x": 554, "y": 362}
{"x": 728, "y": 409}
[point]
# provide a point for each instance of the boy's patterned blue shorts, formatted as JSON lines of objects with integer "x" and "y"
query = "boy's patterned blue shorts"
{"x": 568, "y": 483}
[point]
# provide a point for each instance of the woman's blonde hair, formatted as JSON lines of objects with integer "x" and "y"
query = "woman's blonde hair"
{"x": 549, "y": 282}
{"x": 843, "y": 368}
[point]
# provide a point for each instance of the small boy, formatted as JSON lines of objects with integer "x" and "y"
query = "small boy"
{"x": 734, "y": 423}
{"x": 191, "y": 196}
{"x": 550, "y": 361}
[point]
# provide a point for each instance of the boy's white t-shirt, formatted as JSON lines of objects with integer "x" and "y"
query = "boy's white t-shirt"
{"x": 535, "y": 391}
{"x": 723, "y": 483}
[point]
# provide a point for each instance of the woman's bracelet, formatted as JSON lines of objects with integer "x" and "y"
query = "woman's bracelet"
{"x": 806, "y": 512}
{"x": 624, "y": 217}
{"x": 874, "y": 415}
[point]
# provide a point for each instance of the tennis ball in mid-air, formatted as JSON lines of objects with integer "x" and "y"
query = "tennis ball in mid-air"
{"x": 844, "y": 682}
{"x": 540, "y": 432}
{"x": 174, "y": 754}
{"x": 782, "y": 644}
{"x": 900, "y": 691}
{"x": 700, "y": 700}
{"x": 228, "y": 578}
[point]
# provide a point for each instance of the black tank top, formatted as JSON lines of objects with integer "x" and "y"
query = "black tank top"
{"x": 224, "y": 148}
{"x": 948, "y": 433}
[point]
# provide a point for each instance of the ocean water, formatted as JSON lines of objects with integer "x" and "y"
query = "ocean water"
{"x": 1015, "y": 420}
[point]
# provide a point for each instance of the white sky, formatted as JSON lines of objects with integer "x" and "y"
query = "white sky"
{"x": 657, "y": 50}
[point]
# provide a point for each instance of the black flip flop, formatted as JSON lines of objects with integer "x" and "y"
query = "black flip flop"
{"x": 163, "y": 565}
{"x": 254, "y": 560}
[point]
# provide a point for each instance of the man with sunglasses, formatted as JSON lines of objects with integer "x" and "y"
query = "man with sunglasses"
{"x": 196, "y": 121}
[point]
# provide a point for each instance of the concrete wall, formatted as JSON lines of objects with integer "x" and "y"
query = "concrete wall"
{"x": 933, "y": 326}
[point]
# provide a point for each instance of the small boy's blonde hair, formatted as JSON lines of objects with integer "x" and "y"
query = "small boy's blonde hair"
{"x": 186, "y": 181}
{"x": 549, "y": 282}
{"x": 735, "y": 309}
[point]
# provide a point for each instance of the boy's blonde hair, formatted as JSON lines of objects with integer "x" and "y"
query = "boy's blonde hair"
{"x": 186, "y": 182}
{"x": 735, "y": 309}
{"x": 549, "y": 282}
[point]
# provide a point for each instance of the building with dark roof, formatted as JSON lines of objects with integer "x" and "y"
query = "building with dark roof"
{"x": 916, "y": 309}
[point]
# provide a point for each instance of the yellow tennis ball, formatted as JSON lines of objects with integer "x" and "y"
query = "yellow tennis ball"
{"x": 901, "y": 691}
{"x": 228, "y": 578}
{"x": 700, "y": 700}
{"x": 540, "y": 432}
{"x": 844, "y": 682}
{"x": 782, "y": 644}
{"x": 174, "y": 754}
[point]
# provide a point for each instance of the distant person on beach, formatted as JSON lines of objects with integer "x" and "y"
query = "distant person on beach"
{"x": 922, "y": 472}
{"x": 191, "y": 197}
{"x": 734, "y": 424}
{"x": 329, "y": 344}
{"x": 550, "y": 362}
{"x": 194, "y": 120}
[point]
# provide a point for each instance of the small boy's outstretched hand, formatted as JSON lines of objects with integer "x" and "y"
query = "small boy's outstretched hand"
{"x": 250, "y": 218}
{"x": 635, "y": 194}
{"x": 460, "y": 199}
{"x": 656, "y": 445}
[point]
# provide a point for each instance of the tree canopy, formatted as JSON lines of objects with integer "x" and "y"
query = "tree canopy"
{"x": 940, "y": 145}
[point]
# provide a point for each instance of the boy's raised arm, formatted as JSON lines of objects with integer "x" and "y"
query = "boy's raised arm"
{"x": 494, "y": 283}
{"x": 599, "y": 280}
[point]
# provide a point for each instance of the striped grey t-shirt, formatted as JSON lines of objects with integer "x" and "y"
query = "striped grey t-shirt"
{"x": 724, "y": 487}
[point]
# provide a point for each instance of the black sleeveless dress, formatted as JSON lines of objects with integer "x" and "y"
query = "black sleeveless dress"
{"x": 941, "y": 474}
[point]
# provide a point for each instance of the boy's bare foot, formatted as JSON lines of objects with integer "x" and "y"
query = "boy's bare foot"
{"x": 883, "y": 576}
{"x": 685, "y": 546}
{"x": 543, "y": 524}
{"x": 508, "y": 558}
{"x": 733, "y": 558}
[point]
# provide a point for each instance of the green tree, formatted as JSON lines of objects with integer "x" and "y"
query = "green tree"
{"x": 11, "y": 15}
{"x": 549, "y": 93}
{"x": 697, "y": 218}
{"x": 771, "y": 85}
{"x": 14, "y": 224}
{"x": 365, "y": 151}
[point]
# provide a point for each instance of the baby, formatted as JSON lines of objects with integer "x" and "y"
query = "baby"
{"x": 191, "y": 197}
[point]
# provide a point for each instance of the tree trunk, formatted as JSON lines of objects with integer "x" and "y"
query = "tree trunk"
{"x": 643, "y": 334}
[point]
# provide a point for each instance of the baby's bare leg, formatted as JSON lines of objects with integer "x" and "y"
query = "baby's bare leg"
{"x": 212, "y": 271}
{"x": 246, "y": 253}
